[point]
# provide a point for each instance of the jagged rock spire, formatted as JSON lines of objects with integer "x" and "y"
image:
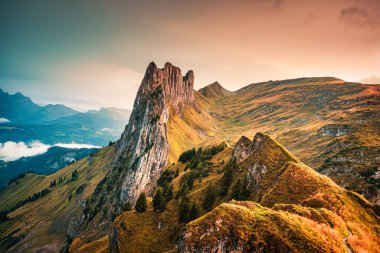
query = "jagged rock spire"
{"x": 143, "y": 149}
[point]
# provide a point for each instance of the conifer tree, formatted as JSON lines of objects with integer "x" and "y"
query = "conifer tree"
{"x": 127, "y": 206}
{"x": 209, "y": 199}
{"x": 227, "y": 179}
{"x": 169, "y": 194}
{"x": 184, "y": 209}
{"x": 159, "y": 201}
{"x": 176, "y": 174}
{"x": 236, "y": 190}
{"x": 190, "y": 180}
{"x": 193, "y": 212}
{"x": 141, "y": 203}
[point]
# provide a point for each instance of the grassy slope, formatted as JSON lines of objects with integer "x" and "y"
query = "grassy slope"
{"x": 324, "y": 213}
{"x": 304, "y": 210}
{"x": 253, "y": 226}
{"x": 189, "y": 129}
{"x": 293, "y": 111}
{"x": 44, "y": 222}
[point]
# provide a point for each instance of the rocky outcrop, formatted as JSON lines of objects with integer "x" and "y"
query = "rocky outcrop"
{"x": 214, "y": 90}
{"x": 242, "y": 149}
{"x": 335, "y": 130}
{"x": 262, "y": 160}
{"x": 143, "y": 148}
{"x": 245, "y": 147}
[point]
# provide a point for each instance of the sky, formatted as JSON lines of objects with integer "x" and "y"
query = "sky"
{"x": 92, "y": 53}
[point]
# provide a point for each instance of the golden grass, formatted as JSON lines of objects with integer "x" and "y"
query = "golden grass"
{"x": 251, "y": 226}
{"x": 44, "y": 220}
{"x": 98, "y": 246}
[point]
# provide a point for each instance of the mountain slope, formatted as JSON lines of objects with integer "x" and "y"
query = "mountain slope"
{"x": 297, "y": 210}
{"x": 53, "y": 124}
{"x": 48, "y": 222}
{"x": 48, "y": 113}
{"x": 330, "y": 124}
{"x": 21, "y": 109}
{"x": 92, "y": 127}
{"x": 305, "y": 212}
{"x": 17, "y": 106}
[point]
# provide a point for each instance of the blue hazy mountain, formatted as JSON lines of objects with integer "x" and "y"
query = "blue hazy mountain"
{"x": 21, "y": 109}
{"x": 106, "y": 119}
{"x": 53, "y": 124}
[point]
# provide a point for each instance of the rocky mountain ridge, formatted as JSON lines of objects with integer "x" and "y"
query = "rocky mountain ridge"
{"x": 143, "y": 150}
{"x": 144, "y": 142}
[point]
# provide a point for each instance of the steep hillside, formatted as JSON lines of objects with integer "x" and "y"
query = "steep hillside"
{"x": 296, "y": 209}
{"x": 304, "y": 212}
{"x": 330, "y": 124}
{"x": 42, "y": 215}
{"x": 166, "y": 115}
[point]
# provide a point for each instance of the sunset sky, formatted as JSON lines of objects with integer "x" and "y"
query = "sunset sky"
{"x": 93, "y": 53}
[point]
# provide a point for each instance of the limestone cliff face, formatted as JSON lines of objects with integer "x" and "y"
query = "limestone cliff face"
{"x": 143, "y": 149}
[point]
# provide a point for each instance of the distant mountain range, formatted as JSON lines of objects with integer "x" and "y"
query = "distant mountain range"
{"x": 21, "y": 109}
{"x": 24, "y": 120}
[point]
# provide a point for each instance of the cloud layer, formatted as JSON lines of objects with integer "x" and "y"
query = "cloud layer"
{"x": 75, "y": 145}
{"x": 10, "y": 151}
{"x": 4, "y": 120}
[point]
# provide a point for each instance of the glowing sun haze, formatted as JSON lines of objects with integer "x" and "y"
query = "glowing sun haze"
{"x": 92, "y": 53}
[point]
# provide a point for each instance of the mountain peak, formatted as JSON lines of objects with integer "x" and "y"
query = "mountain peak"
{"x": 244, "y": 147}
{"x": 169, "y": 83}
{"x": 214, "y": 90}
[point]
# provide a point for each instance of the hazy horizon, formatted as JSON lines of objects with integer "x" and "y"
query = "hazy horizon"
{"x": 95, "y": 54}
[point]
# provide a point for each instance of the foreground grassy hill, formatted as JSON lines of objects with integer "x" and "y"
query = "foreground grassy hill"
{"x": 295, "y": 209}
